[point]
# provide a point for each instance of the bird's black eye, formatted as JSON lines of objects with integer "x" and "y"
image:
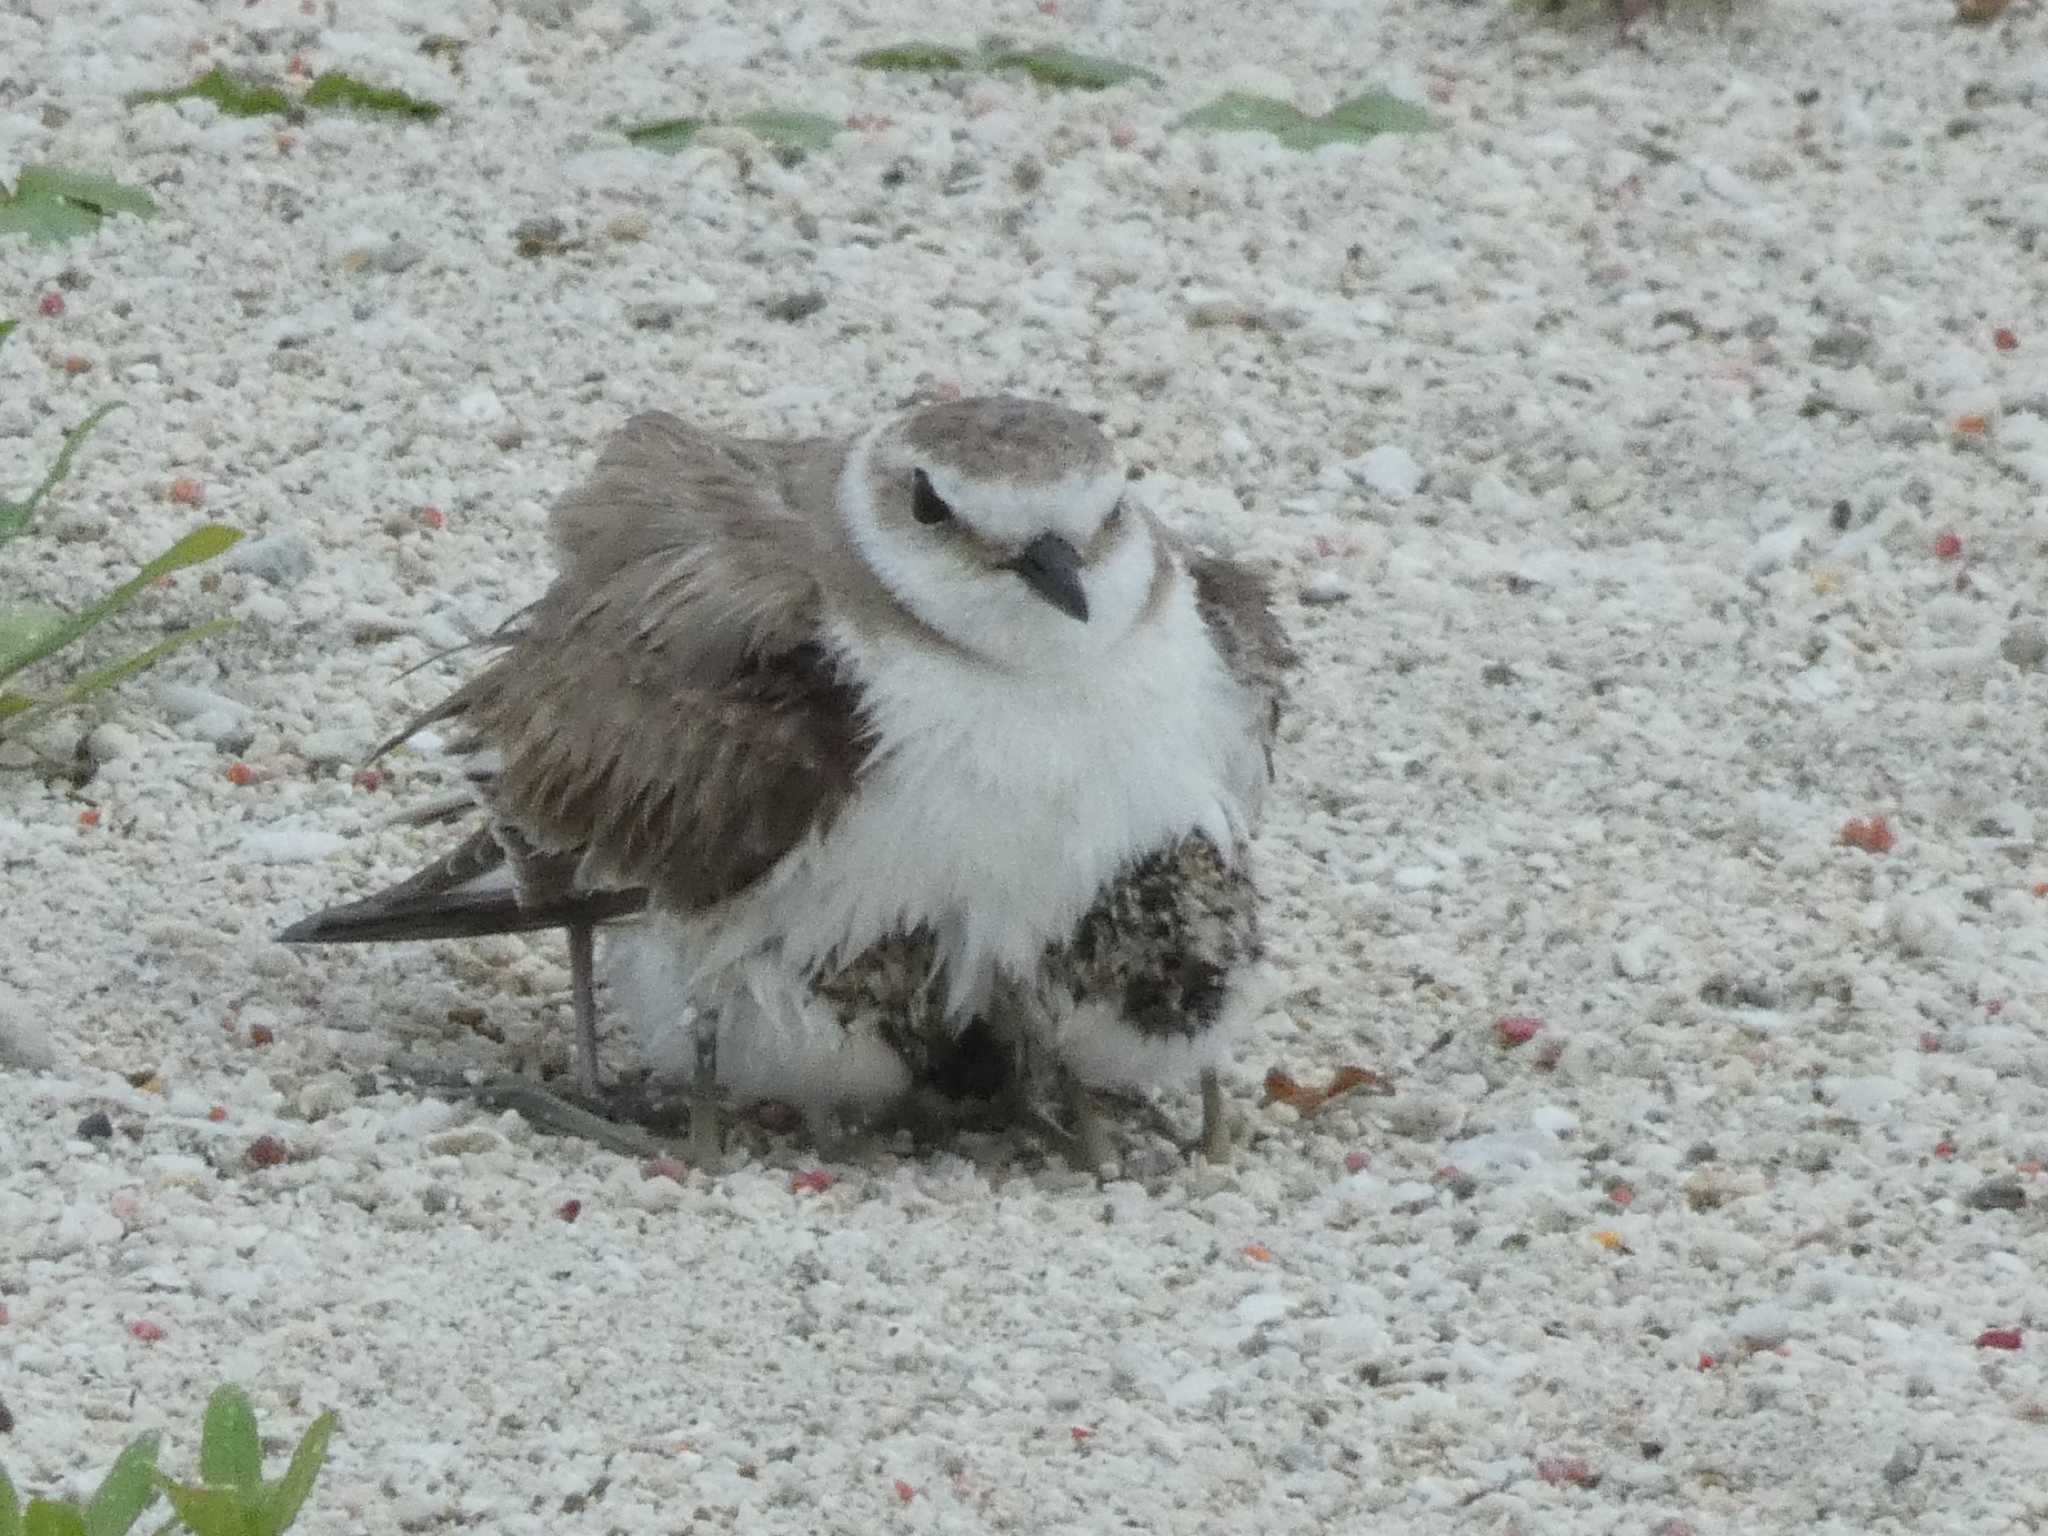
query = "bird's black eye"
{"x": 926, "y": 504}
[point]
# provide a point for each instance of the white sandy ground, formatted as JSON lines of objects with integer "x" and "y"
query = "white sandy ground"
{"x": 1540, "y": 419}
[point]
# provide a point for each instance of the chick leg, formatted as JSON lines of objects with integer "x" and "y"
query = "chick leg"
{"x": 1088, "y": 1143}
{"x": 583, "y": 1001}
{"x": 707, "y": 1128}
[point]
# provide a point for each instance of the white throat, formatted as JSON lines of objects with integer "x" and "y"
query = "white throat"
{"x": 993, "y": 614}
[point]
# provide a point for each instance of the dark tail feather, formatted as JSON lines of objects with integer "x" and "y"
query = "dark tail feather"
{"x": 398, "y": 916}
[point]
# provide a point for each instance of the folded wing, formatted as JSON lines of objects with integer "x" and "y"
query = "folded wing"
{"x": 664, "y": 720}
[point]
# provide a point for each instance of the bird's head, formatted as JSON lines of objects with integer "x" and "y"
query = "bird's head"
{"x": 1001, "y": 524}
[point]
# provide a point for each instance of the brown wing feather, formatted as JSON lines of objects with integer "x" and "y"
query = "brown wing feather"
{"x": 667, "y": 712}
{"x": 1236, "y": 602}
{"x": 663, "y": 720}
{"x": 692, "y": 791}
{"x": 436, "y": 901}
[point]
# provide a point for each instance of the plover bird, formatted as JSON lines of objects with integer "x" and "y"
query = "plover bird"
{"x": 868, "y": 746}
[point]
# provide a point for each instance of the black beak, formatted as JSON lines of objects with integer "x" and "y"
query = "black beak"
{"x": 1051, "y": 567}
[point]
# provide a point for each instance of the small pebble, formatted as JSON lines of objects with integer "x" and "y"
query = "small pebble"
{"x": 97, "y": 1126}
{"x": 2004, "y": 1193}
{"x": 1389, "y": 469}
{"x": 1843, "y": 346}
{"x": 2025, "y": 645}
{"x": 1324, "y": 589}
{"x": 652, "y": 315}
{"x": 398, "y": 255}
{"x": 280, "y": 559}
{"x": 539, "y": 237}
{"x": 1517, "y": 1029}
{"x": 25, "y": 1044}
{"x": 794, "y": 307}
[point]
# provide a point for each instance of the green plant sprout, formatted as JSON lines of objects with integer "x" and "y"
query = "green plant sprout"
{"x": 50, "y": 204}
{"x": 1352, "y": 121}
{"x": 1060, "y": 68}
{"x": 231, "y": 1497}
{"x": 33, "y": 632}
{"x": 791, "y": 135}
{"x": 236, "y": 96}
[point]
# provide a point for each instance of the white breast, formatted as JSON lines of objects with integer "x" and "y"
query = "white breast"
{"x": 998, "y": 804}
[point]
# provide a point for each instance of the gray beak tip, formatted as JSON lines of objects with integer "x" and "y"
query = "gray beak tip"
{"x": 1051, "y": 567}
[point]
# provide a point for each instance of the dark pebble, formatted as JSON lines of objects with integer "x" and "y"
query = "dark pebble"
{"x": 2001, "y": 1194}
{"x": 798, "y": 306}
{"x": 96, "y": 1126}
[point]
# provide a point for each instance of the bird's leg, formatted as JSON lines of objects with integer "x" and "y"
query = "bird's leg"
{"x": 707, "y": 1133}
{"x": 583, "y": 1001}
{"x": 1215, "y": 1131}
{"x": 1088, "y": 1143}
{"x": 552, "y": 1113}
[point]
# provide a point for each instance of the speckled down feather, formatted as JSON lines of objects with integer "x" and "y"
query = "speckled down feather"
{"x": 1164, "y": 940}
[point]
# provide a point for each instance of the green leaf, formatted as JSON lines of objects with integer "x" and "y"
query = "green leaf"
{"x": 917, "y": 58}
{"x": 208, "y": 1511}
{"x": 10, "y": 1501}
{"x": 125, "y": 1492}
{"x": 1065, "y": 70}
{"x": 339, "y": 90}
{"x": 101, "y": 193}
{"x": 50, "y": 204}
{"x": 1350, "y": 122}
{"x": 669, "y": 136}
{"x": 792, "y": 133}
{"x": 23, "y": 629}
{"x": 14, "y": 515}
{"x": 230, "y": 1455}
{"x": 46, "y": 220}
{"x": 46, "y": 1517}
{"x": 1244, "y": 112}
{"x": 202, "y": 543}
{"x": 6, "y": 326}
{"x": 285, "y": 1500}
{"x": 235, "y": 97}
{"x": 101, "y": 679}
{"x": 1376, "y": 112}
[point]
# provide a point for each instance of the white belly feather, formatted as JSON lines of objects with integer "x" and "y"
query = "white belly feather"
{"x": 995, "y": 808}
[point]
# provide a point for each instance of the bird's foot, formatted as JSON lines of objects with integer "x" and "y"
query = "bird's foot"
{"x": 1086, "y": 1137}
{"x": 707, "y": 1114}
{"x": 546, "y": 1110}
{"x": 583, "y": 1005}
{"x": 1212, "y": 1141}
